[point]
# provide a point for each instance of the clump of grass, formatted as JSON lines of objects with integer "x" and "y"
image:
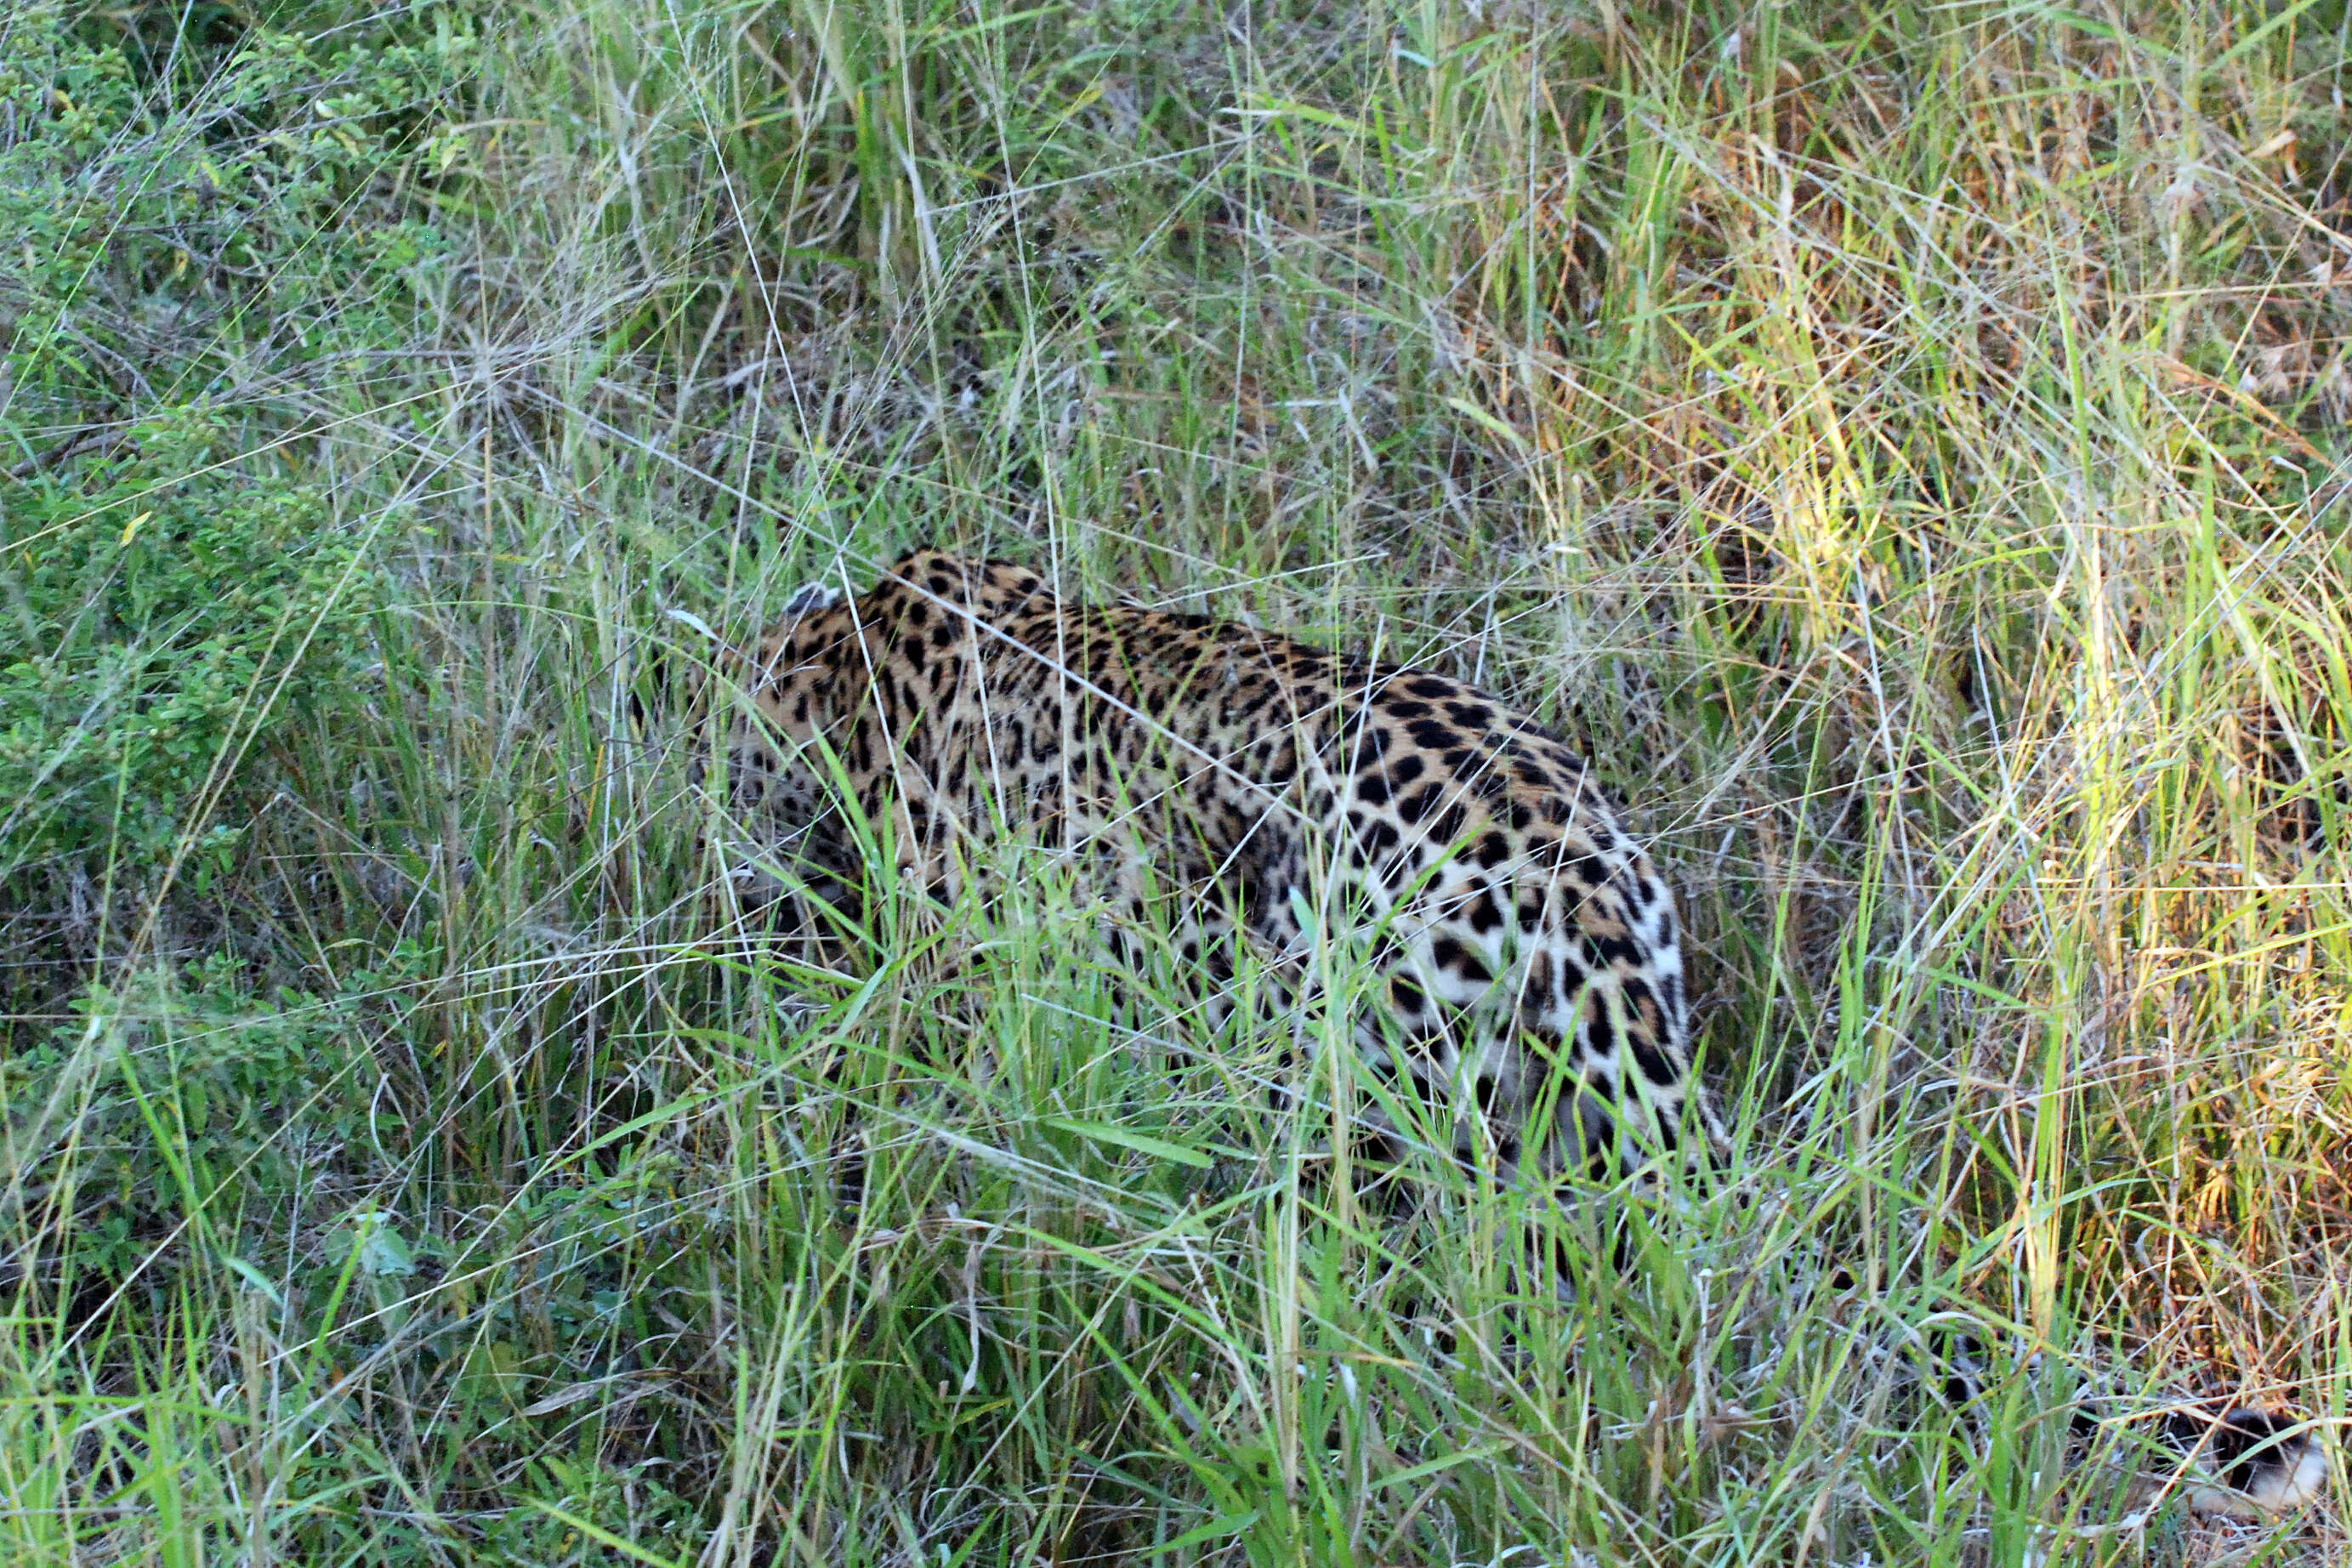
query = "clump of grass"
{"x": 1904, "y": 445}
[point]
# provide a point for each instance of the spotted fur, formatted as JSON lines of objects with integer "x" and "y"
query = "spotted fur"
{"x": 1531, "y": 980}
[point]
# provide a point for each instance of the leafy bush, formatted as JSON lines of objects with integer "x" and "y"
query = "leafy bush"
{"x": 162, "y": 627}
{"x": 207, "y": 265}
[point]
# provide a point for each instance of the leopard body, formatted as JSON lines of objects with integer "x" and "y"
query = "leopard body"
{"x": 1529, "y": 971}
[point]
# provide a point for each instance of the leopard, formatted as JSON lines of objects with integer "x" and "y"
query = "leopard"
{"x": 1527, "y": 970}
{"x": 1528, "y": 981}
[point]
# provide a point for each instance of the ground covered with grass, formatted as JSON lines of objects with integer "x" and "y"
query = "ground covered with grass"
{"x": 1904, "y": 445}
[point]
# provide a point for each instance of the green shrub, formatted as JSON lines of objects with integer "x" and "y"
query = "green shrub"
{"x": 161, "y": 626}
{"x": 209, "y": 265}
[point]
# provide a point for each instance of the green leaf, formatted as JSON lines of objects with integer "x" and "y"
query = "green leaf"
{"x": 1157, "y": 1148}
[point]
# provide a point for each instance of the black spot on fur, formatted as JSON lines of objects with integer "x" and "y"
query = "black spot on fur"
{"x": 1429, "y": 734}
{"x": 1455, "y": 959}
{"x": 1653, "y": 1064}
{"x": 1599, "y": 1033}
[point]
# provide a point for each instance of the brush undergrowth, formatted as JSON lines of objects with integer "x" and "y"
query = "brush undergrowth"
{"x": 1905, "y": 444}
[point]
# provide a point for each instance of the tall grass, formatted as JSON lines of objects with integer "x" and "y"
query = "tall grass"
{"x": 1904, "y": 445}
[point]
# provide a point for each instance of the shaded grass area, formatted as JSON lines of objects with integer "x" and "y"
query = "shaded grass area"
{"x": 1902, "y": 445}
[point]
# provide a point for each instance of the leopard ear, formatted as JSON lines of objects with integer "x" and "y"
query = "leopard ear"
{"x": 809, "y": 598}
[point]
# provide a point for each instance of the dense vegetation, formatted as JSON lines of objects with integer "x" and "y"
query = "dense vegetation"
{"x": 1906, "y": 444}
